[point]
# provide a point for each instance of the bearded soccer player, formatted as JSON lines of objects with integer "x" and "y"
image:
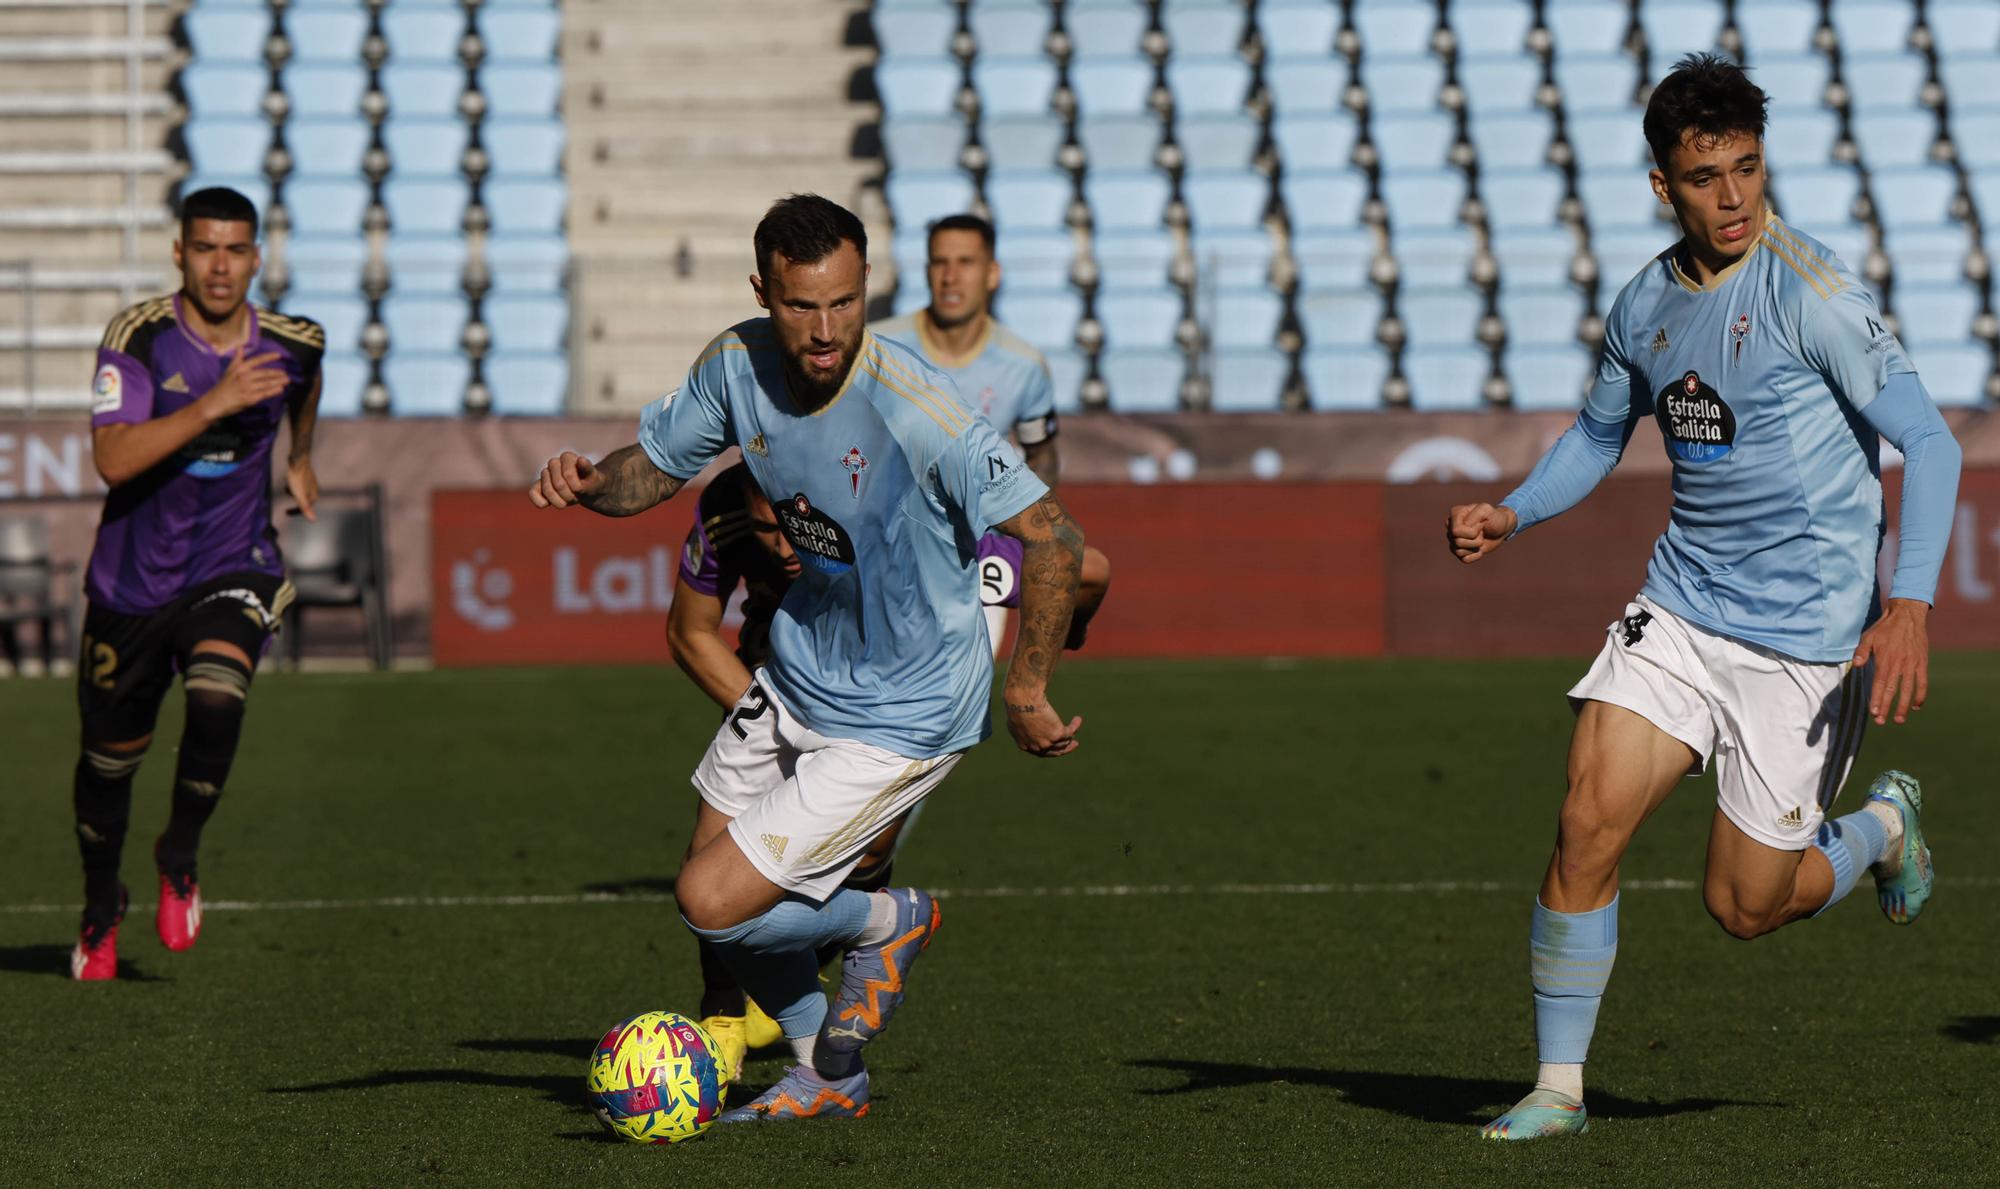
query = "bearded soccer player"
{"x": 879, "y": 674}
{"x": 185, "y": 577}
{"x": 1758, "y": 638}
{"x": 1008, "y": 381}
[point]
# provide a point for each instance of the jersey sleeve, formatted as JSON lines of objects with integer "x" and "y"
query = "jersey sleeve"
{"x": 1843, "y": 339}
{"x": 1610, "y": 397}
{"x": 121, "y": 393}
{"x": 1038, "y": 407}
{"x": 700, "y": 569}
{"x": 686, "y": 429}
{"x": 983, "y": 481}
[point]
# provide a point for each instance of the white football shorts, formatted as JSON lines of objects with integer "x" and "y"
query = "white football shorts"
{"x": 804, "y": 807}
{"x": 1783, "y": 732}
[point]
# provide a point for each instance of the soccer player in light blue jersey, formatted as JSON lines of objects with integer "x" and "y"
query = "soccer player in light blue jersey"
{"x": 882, "y": 480}
{"x": 1758, "y": 637}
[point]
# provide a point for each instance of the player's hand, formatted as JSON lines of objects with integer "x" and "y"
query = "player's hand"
{"x": 250, "y": 380}
{"x": 1036, "y": 726}
{"x": 303, "y": 485}
{"x": 1900, "y": 646}
{"x": 1475, "y": 530}
{"x": 565, "y": 481}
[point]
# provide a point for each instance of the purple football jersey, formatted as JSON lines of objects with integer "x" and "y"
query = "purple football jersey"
{"x": 206, "y": 510}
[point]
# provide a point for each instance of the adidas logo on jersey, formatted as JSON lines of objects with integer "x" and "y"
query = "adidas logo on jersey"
{"x": 1660, "y": 341}
{"x": 175, "y": 383}
{"x": 756, "y": 446}
{"x": 775, "y": 843}
{"x": 1792, "y": 820}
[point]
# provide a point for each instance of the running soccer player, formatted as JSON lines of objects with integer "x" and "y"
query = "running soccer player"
{"x": 1758, "y": 637}
{"x": 1008, "y": 381}
{"x": 878, "y": 675}
{"x": 185, "y": 576}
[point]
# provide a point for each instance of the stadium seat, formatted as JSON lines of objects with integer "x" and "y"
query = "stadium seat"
{"x": 1206, "y": 27}
{"x": 1440, "y": 317}
{"x": 423, "y": 90}
{"x": 1329, "y": 198}
{"x": 1619, "y": 198}
{"x": 528, "y": 385}
{"x": 911, "y": 295}
{"x": 1675, "y": 28}
{"x": 1208, "y": 85}
{"x": 1511, "y": 139}
{"x": 342, "y": 315}
{"x": 1597, "y": 82}
{"x": 430, "y": 264}
{"x": 918, "y": 199}
{"x": 1011, "y": 86}
{"x": 1894, "y": 139}
{"x": 1447, "y": 379}
{"x": 1229, "y": 201}
{"x": 1428, "y": 257}
{"x": 1232, "y": 258}
{"x": 1848, "y": 241}
{"x": 1413, "y": 141}
{"x": 1032, "y": 200}
{"x": 1340, "y": 319}
{"x": 1918, "y": 197}
{"x": 1608, "y": 141}
{"x": 917, "y": 87}
{"x": 1622, "y": 252}
{"x": 527, "y": 323}
{"x": 1139, "y": 319}
{"x": 1066, "y": 372}
{"x": 1012, "y": 143}
{"x": 1816, "y": 197}
{"x": 426, "y": 148}
{"x": 227, "y": 32}
{"x": 1298, "y": 28}
{"x": 519, "y": 35}
{"x": 328, "y": 34}
{"x": 426, "y": 385}
{"x": 1143, "y": 381}
{"x": 521, "y": 89}
{"x": 524, "y": 147}
{"x": 1395, "y": 26}
{"x": 327, "y": 206}
{"x": 1977, "y": 137}
{"x": 1120, "y": 199}
{"x": 1548, "y": 377}
{"x": 326, "y": 148}
{"x": 423, "y": 323}
{"x": 1963, "y": 26}
{"x": 1490, "y": 27}
{"x": 1531, "y": 256}
{"x": 1119, "y": 85}
{"x": 323, "y": 88}
{"x": 417, "y": 33}
{"x": 1500, "y": 84}
{"x": 1402, "y": 83}
{"x": 1541, "y": 317}
{"x": 1247, "y": 380}
{"x": 1218, "y": 141}
{"x": 1586, "y": 27}
{"x": 1008, "y": 28}
{"x": 1035, "y": 259}
{"x": 923, "y": 32}
{"x": 343, "y": 376}
{"x": 1242, "y": 317}
{"x": 1345, "y": 377}
{"x": 1333, "y": 259}
{"x": 1879, "y": 81}
{"x": 325, "y": 264}
{"x": 929, "y": 143}
{"x": 1521, "y": 197}
{"x": 1045, "y": 317}
{"x": 220, "y": 91}
{"x": 1935, "y": 313}
{"x": 1103, "y": 30}
{"x": 1305, "y": 86}
{"x": 425, "y": 206}
{"x": 1871, "y": 26}
{"x": 1118, "y": 142}
{"x": 1954, "y": 374}
{"x": 1315, "y": 141}
{"x": 526, "y": 205}
{"x": 1972, "y": 78}
{"x": 1792, "y": 80}
{"x": 1774, "y": 27}
{"x": 528, "y": 263}
{"x": 1985, "y": 186}
{"x": 1428, "y": 198}
{"x": 1800, "y": 138}
{"x": 235, "y": 145}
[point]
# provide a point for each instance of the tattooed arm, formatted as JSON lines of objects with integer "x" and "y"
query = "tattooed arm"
{"x": 1042, "y": 460}
{"x": 625, "y": 483}
{"x": 1051, "y": 566}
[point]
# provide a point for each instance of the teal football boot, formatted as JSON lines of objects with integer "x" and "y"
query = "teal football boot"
{"x": 1541, "y": 1113}
{"x": 1904, "y": 891}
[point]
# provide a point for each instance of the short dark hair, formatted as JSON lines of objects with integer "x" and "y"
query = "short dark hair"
{"x": 807, "y": 229}
{"x": 963, "y": 223}
{"x": 1707, "y": 97}
{"x": 217, "y": 202}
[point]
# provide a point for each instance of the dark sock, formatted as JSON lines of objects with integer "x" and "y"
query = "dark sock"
{"x": 868, "y": 883}
{"x": 721, "y": 995}
{"x": 102, "y": 799}
{"x": 215, "y": 702}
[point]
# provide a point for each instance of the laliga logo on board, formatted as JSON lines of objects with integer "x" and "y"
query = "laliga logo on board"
{"x": 619, "y": 584}
{"x": 480, "y": 594}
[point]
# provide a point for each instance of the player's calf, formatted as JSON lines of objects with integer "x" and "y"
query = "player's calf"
{"x": 102, "y": 800}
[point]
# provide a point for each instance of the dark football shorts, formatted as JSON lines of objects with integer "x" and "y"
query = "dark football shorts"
{"x": 129, "y": 661}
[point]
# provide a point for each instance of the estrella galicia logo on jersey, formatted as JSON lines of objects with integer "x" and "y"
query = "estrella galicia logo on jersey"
{"x": 820, "y": 541}
{"x": 1698, "y": 426}
{"x": 1635, "y": 627}
{"x": 854, "y": 463}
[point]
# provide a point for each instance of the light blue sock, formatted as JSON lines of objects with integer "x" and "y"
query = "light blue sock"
{"x": 1570, "y": 956}
{"x": 1852, "y": 844}
{"x": 772, "y": 955}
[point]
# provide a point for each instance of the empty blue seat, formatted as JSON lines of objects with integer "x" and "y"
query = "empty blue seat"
{"x": 221, "y": 91}
{"x": 918, "y": 199}
{"x": 426, "y": 148}
{"x": 235, "y": 145}
{"x": 1217, "y": 141}
{"x": 1607, "y": 141}
{"x": 1433, "y": 256}
{"x": 1936, "y": 313}
{"x": 1511, "y": 140}
{"x": 1139, "y": 319}
{"x": 1329, "y": 198}
{"x": 531, "y": 205}
{"x": 1927, "y": 255}
{"x": 914, "y": 31}
{"x": 1675, "y": 28}
{"x": 1395, "y": 26}
{"x": 1548, "y": 377}
{"x": 1032, "y": 200}
{"x": 1413, "y": 140}
{"x": 1771, "y": 27}
{"x": 331, "y": 207}
{"x": 927, "y": 142}
{"x": 1871, "y": 26}
{"x": 1143, "y": 381}
{"x": 425, "y": 206}
{"x": 1035, "y": 259}
{"x": 431, "y": 264}
{"x": 1976, "y": 134}
{"x": 1622, "y": 252}
{"x": 1913, "y": 197}
{"x": 326, "y": 264}
{"x": 1849, "y": 242}
{"x": 1894, "y": 139}
{"x": 1581, "y": 27}
{"x": 1442, "y": 317}
{"x": 1301, "y": 86}
{"x": 1230, "y": 201}
{"x": 1792, "y": 80}
{"x": 533, "y": 385}
{"x": 421, "y": 34}
{"x": 1066, "y": 372}
{"x": 1232, "y": 258}
{"x": 1955, "y": 374}
{"x": 1110, "y": 86}
{"x": 423, "y": 322}
{"x": 1497, "y": 84}
{"x": 1431, "y": 198}
{"x": 911, "y": 295}
{"x": 1242, "y": 316}
{"x": 1348, "y": 378}
{"x": 1333, "y": 259}
{"x": 327, "y": 34}
{"x": 1310, "y": 141}
{"x": 1118, "y": 142}
{"x": 1019, "y": 142}
{"x": 1045, "y": 317}
{"x": 917, "y": 86}
{"x": 527, "y": 322}
{"x": 1340, "y": 318}
{"x": 341, "y": 315}
{"x": 1402, "y": 83}
{"x": 1013, "y": 86}
{"x": 1877, "y": 81}
{"x": 1010, "y": 28}
{"x": 326, "y": 148}
{"x": 1963, "y": 26}
{"x": 1597, "y": 82}
{"x": 528, "y": 263}
{"x": 521, "y": 89}
{"x": 1800, "y": 138}
{"x": 1619, "y": 198}
{"x": 1126, "y": 199}
{"x": 1300, "y": 28}
{"x": 1972, "y": 78}
{"x": 1247, "y": 380}
{"x": 1446, "y": 379}
{"x": 227, "y": 32}
{"x": 426, "y": 385}
{"x": 1541, "y": 317}
{"x": 343, "y": 374}
{"x": 423, "y": 90}
{"x": 1490, "y": 27}
{"x": 1531, "y": 256}
{"x": 520, "y": 34}
{"x": 324, "y": 88}
{"x": 1104, "y": 29}
{"x": 1985, "y": 184}
{"x": 1208, "y": 85}
{"x": 1206, "y": 28}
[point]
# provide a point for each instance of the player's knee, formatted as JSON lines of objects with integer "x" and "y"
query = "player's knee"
{"x": 1590, "y": 834}
{"x": 1737, "y": 919}
{"x": 1096, "y": 576}
{"x": 114, "y": 761}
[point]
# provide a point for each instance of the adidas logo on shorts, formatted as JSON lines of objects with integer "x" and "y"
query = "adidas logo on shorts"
{"x": 775, "y": 843}
{"x": 1792, "y": 820}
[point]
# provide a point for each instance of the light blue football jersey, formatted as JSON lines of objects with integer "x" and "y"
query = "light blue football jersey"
{"x": 884, "y": 493}
{"x": 1756, "y": 381}
{"x": 1004, "y": 377}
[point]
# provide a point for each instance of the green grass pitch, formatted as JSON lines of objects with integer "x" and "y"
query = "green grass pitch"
{"x": 1351, "y": 1034}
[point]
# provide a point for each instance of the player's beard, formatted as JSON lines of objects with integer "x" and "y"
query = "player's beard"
{"x": 972, "y": 314}
{"x": 198, "y": 304}
{"x": 815, "y": 389}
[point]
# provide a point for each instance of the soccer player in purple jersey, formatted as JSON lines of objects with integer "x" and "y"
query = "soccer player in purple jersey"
{"x": 185, "y": 576}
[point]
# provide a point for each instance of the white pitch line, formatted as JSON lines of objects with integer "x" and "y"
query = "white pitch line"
{"x": 1060, "y": 892}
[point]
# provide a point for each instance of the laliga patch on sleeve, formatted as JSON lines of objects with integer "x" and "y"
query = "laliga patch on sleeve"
{"x": 107, "y": 395}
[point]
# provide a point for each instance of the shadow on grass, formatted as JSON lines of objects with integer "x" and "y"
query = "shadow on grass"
{"x": 563, "y": 1088}
{"x": 564, "y": 1046}
{"x": 1973, "y": 1030}
{"x": 54, "y": 960}
{"x": 659, "y": 885}
{"x": 1429, "y": 1098}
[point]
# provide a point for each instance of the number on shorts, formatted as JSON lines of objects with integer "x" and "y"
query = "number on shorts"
{"x": 100, "y": 660}
{"x": 757, "y": 703}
